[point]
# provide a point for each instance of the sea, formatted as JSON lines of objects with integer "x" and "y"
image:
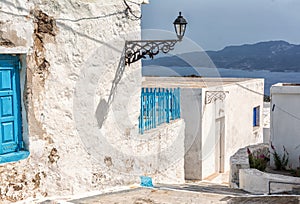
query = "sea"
{"x": 270, "y": 77}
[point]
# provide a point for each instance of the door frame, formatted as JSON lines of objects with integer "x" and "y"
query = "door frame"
{"x": 20, "y": 66}
{"x": 220, "y": 145}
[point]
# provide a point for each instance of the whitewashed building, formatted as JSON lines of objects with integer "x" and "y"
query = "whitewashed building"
{"x": 70, "y": 107}
{"x": 285, "y": 118}
{"x": 221, "y": 116}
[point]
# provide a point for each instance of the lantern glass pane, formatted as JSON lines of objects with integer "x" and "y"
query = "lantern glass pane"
{"x": 183, "y": 27}
{"x": 177, "y": 29}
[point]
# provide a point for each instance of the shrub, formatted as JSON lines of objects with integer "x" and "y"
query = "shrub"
{"x": 267, "y": 98}
{"x": 258, "y": 160}
{"x": 280, "y": 162}
{"x": 296, "y": 172}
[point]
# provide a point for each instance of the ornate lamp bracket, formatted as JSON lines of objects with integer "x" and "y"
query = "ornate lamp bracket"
{"x": 211, "y": 96}
{"x": 136, "y": 50}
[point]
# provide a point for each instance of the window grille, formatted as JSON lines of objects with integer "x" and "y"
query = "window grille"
{"x": 158, "y": 106}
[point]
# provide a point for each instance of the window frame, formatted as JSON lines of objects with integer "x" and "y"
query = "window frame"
{"x": 20, "y": 153}
{"x": 256, "y": 116}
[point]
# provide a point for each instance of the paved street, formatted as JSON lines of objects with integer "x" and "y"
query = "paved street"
{"x": 185, "y": 194}
{"x": 153, "y": 196}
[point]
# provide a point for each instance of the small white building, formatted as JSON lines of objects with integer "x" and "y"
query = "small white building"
{"x": 285, "y": 120}
{"x": 221, "y": 116}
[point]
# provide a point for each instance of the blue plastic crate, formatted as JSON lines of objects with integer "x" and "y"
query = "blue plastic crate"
{"x": 146, "y": 181}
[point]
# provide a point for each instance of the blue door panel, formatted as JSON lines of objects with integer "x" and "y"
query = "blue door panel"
{"x": 5, "y": 79}
{"x": 6, "y": 103}
{"x": 7, "y": 132}
{"x": 10, "y": 118}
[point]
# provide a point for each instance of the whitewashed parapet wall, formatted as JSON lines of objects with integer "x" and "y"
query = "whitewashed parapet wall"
{"x": 80, "y": 105}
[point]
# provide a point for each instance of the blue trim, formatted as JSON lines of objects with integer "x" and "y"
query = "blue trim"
{"x": 18, "y": 104}
{"x": 8, "y": 57}
{"x": 254, "y": 117}
{"x": 14, "y": 156}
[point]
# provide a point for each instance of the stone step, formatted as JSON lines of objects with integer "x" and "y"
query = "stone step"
{"x": 220, "y": 178}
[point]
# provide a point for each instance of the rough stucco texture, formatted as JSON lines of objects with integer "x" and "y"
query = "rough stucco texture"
{"x": 80, "y": 104}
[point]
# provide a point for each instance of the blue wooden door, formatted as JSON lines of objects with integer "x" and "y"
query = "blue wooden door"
{"x": 10, "y": 121}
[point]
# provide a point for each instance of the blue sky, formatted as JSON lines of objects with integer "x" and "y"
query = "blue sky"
{"x": 214, "y": 24}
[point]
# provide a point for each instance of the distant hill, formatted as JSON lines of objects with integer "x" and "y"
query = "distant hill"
{"x": 272, "y": 55}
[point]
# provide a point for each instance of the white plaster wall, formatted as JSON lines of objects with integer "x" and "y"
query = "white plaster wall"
{"x": 161, "y": 153}
{"x": 257, "y": 182}
{"x": 191, "y": 113}
{"x": 82, "y": 111}
{"x": 285, "y": 117}
{"x": 237, "y": 108}
{"x": 266, "y": 117}
{"x": 243, "y": 97}
{"x": 210, "y": 112}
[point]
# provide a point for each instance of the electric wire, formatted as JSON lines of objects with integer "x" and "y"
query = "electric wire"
{"x": 251, "y": 90}
{"x": 276, "y": 106}
{"x": 134, "y": 2}
{"x": 286, "y": 112}
{"x": 129, "y": 9}
{"x": 90, "y": 18}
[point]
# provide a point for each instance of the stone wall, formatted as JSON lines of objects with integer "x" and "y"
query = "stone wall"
{"x": 80, "y": 104}
{"x": 240, "y": 160}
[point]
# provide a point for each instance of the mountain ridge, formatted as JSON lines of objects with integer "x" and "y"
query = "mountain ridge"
{"x": 270, "y": 55}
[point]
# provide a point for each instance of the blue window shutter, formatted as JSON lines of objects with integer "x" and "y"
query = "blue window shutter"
{"x": 254, "y": 116}
{"x": 10, "y": 117}
{"x": 256, "y": 113}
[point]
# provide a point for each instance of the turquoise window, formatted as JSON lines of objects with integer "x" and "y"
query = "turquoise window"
{"x": 11, "y": 141}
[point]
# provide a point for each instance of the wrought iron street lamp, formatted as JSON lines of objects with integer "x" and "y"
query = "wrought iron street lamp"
{"x": 180, "y": 26}
{"x": 136, "y": 50}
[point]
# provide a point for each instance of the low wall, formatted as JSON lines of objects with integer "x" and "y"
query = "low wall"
{"x": 254, "y": 181}
{"x": 161, "y": 154}
{"x": 266, "y": 134}
{"x": 240, "y": 161}
{"x": 257, "y": 182}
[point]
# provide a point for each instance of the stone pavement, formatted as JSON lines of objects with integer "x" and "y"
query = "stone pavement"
{"x": 185, "y": 194}
{"x": 206, "y": 187}
{"x": 152, "y": 196}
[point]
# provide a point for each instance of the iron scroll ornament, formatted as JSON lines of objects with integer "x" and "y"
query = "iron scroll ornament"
{"x": 136, "y": 50}
{"x": 211, "y": 96}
